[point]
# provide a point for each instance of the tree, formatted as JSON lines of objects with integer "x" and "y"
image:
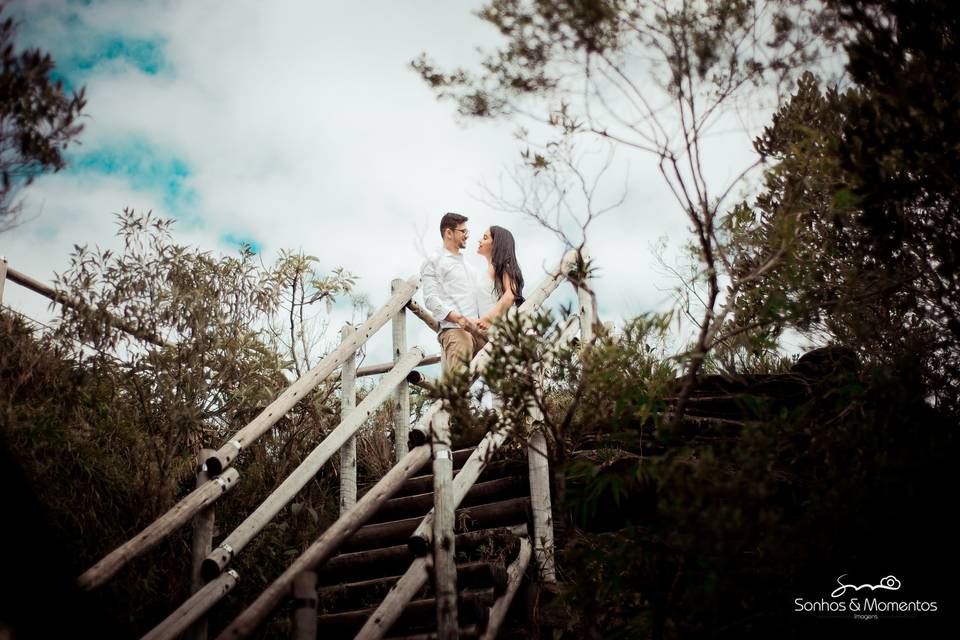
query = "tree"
{"x": 38, "y": 121}
{"x": 862, "y": 200}
{"x": 652, "y": 77}
{"x": 107, "y": 428}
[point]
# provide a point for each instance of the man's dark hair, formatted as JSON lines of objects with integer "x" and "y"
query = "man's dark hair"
{"x": 450, "y": 221}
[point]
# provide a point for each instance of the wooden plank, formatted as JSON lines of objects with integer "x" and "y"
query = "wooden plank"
{"x": 348, "y": 402}
{"x": 496, "y": 469}
{"x": 385, "y": 615}
{"x": 422, "y": 538}
{"x": 364, "y": 565}
{"x": 352, "y": 595}
{"x": 191, "y": 610}
{"x": 495, "y": 514}
{"x": 474, "y": 607}
{"x": 299, "y": 389}
{"x": 176, "y": 517}
{"x": 401, "y": 414}
{"x": 498, "y": 612}
{"x": 306, "y": 470}
{"x": 480, "y": 493}
{"x": 331, "y": 539}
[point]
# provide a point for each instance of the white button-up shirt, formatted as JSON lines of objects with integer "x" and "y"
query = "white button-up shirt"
{"x": 449, "y": 284}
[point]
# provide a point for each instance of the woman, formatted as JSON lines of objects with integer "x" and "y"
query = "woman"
{"x": 502, "y": 284}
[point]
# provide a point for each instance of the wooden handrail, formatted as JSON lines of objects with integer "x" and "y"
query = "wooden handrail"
{"x": 376, "y": 369}
{"x": 308, "y": 469}
{"x": 424, "y": 315}
{"x": 176, "y": 517}
{"x": 296, "y": 391}
{"x": 193, "y": 608}
{"x": 498, "y": 612}
{"x": 401, "y": 593}
{"x": 421, "y": 539}
{"x": 331, "y": 539}
{"x": 78, "y": 305}
{"x": 202, "y": 497}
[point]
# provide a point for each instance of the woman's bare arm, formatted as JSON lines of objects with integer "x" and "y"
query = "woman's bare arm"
{"x": 504, "y": 303}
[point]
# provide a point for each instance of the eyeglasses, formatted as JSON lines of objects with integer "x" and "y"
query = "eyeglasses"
{"x": 465, "y": 232}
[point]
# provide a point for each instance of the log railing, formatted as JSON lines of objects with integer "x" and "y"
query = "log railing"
{"x": 217, "y": 476}
{"x": 416, "y": 576}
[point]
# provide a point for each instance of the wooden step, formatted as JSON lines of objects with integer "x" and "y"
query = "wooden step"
{"x": 494, "y": 469}
{"x": 472, "y": 631}
{"x": 473, "y": 607}
{"x": 476, "y": 574}
{"x": 484, "y": 516}
{"x": 480, "y": 493}
{"x": 394, "y": 560}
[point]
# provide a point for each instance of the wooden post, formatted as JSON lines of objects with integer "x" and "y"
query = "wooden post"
{"x": 498, "y": 612}
{"x": 173, "y": 519}
{"x": 202, "y": 545}
{"x": 401, "y": 416}
{"x": 421, "y": 540}
{"x": 331, "y": 539}
{"x": 539, "y": 467}
{"x": 305, "y": 606}
{"x": 191, "y": 610}
{"x": 444, "y": 511}
{"x": 3, "y": 275}
{"x": 296, "y": 391}
{"x": 586, "y": 305}
{"x": 348, "y": 402}
{"x": 307, "y": 469}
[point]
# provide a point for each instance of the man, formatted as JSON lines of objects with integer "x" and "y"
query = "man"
{"x": 450, "y": 294}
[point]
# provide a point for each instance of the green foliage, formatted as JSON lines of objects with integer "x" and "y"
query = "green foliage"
{"x": 37, "y": 119}
{"x": 856, "y": 219}
{"x": 713, "y": 533}
{"x": 108, "y": 429}
{"x": 723, "y": 44}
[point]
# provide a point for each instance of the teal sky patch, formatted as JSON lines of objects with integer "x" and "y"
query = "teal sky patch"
{"x": 81, "y": 51}
{"x": 239, "y": 241}
{"x": 146, "y": 168}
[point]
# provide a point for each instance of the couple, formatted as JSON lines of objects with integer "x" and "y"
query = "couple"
{"x": 463, "y": 301}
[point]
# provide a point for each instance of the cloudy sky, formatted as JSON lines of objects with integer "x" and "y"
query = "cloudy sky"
{"x": 298, "y": 125}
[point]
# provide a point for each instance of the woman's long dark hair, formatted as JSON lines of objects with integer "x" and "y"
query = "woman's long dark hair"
{"x": 504, "y": 257}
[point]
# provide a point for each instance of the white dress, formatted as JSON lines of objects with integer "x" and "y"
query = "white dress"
{"x": 486, "y": 295}
{"x": 486, "y": 300}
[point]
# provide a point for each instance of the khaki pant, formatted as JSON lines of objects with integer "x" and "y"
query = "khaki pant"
{"x": 459, "y": 347}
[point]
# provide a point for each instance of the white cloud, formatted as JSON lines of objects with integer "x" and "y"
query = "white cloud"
{"x": 303, "y": 128}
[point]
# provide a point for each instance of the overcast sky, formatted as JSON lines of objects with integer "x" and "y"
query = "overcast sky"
{"x": 298, "y": 125}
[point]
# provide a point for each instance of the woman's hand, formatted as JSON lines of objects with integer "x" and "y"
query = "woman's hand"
{"x": 484, "y": 322}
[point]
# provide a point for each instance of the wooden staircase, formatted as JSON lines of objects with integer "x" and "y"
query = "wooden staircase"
{"x": 492, "y": 518}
